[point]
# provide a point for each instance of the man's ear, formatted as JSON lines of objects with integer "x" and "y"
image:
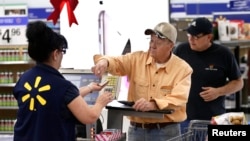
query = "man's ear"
{"x": 172, "y": 45}
{"x": 211, "y": 36}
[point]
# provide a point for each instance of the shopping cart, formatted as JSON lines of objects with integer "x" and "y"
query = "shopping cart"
{"x": 197, "y": 131}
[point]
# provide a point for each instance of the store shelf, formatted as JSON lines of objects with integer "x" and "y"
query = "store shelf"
{"x": 6, "y": 133}
{"x": 16, "y": 62}
{"x": 9, "y": 107}
{"x": 11, "y": 85}
{"x": 235, "y": 43}
{"x": 11, "y": 68}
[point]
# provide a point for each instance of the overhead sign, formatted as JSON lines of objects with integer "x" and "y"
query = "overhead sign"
{"x": 239, "y": 5}
{"x": 192, "y": 8}
{"x": 42, "y": 14}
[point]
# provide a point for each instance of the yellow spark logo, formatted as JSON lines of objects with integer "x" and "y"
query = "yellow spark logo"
{"x": 38, "y": 97}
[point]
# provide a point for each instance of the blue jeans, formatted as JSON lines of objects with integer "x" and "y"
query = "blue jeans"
{"x": 162, "y": 134}
{"x": 184, "y": 126}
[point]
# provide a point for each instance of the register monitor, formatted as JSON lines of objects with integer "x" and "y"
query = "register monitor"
{"x": 82, "y": 77}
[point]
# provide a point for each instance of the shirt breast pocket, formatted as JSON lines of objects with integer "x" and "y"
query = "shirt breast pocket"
{"x": 165, "y": 90}
{"x": 141, "y": 87}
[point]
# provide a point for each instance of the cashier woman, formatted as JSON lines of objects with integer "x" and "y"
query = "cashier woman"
{"x": 49, "y": 105}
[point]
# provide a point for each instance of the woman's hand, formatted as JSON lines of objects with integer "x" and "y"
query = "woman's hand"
{"x": 104, "y": 98}
{"x": 93, "y": 86}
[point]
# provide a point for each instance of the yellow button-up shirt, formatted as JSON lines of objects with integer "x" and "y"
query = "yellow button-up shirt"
{"x": 168, "y": 85}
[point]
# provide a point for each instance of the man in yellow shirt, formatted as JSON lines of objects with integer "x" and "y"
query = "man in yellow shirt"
{"x": 158, "y": 80}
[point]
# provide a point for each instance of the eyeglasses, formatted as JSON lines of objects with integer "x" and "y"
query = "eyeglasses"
{"x": 158, "y": 41}
{"x": 160, "y": 35}
{"x": 196, "y": 37}
{"x": 63, "y": 50}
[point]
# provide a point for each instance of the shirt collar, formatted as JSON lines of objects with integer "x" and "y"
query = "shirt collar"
{"x": 48, "y": 68}
{"x": 151, "y": 61}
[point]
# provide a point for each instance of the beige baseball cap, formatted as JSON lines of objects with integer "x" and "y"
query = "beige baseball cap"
{"x": 163, "y": 30}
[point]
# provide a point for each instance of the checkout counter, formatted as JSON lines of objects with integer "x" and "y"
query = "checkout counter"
{"x": 116, "y": 111}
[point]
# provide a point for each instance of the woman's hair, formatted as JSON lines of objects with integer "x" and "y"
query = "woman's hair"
{"x": 42, "y": 40}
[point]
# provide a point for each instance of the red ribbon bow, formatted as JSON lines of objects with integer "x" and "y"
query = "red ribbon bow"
{"x": 58, "y": 5}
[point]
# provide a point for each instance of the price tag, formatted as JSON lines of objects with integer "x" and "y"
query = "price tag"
{"x": 12, "y": 30}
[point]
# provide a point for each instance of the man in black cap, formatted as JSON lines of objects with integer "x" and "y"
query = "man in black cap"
{"x": 216, "y": 72}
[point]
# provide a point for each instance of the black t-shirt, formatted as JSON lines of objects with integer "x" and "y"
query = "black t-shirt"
{"x": 211, "y": 68}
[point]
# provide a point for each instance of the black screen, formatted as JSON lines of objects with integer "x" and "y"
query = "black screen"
{"x": 83, "y": 79}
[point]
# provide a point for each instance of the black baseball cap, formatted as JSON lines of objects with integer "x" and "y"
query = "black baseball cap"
{"x": 200, "y": 25}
